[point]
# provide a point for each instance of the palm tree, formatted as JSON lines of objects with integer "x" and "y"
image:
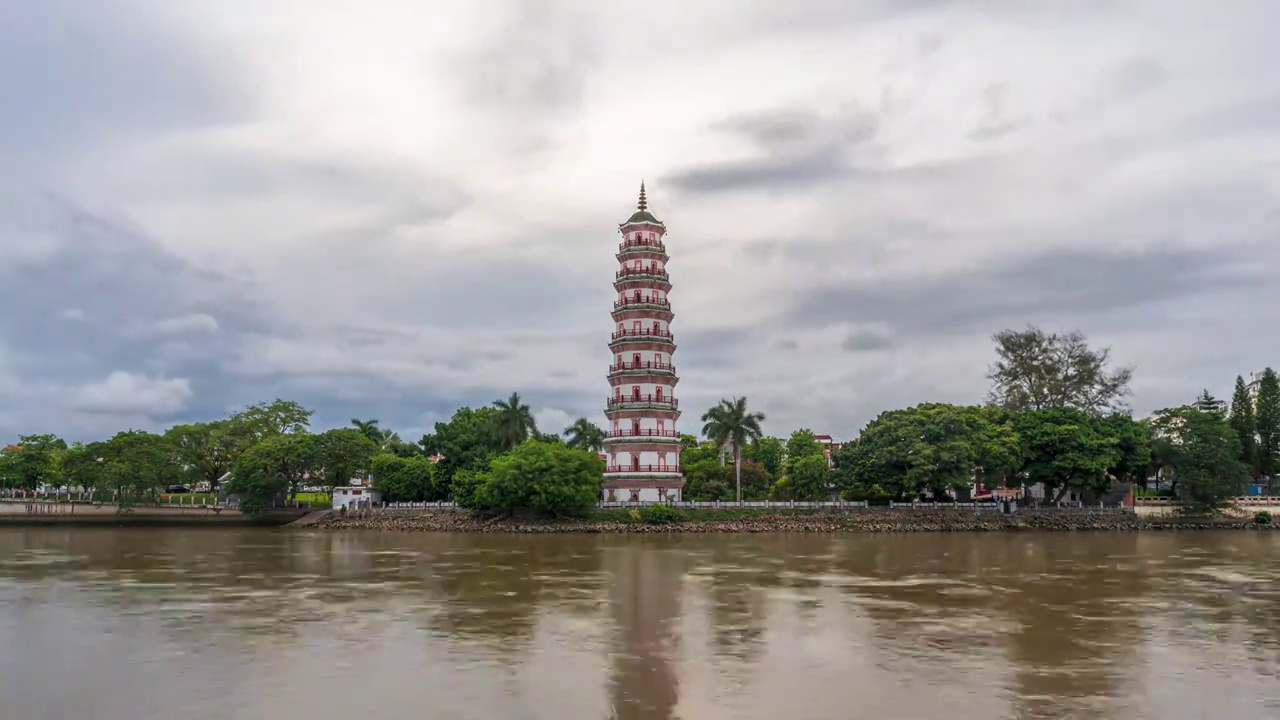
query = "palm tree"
{"x": 586, "y": 435}
{"x": 369, "y": 428}
{"x": 729, "y": 423}
{"x": 381, "y": 437}
{"x": 513, "y": 423}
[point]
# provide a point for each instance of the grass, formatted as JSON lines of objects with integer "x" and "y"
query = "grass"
{"x": 306, "y": 498}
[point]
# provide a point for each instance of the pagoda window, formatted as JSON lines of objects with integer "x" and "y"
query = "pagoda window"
{"x": 635, "y": 361}
{"x": 635, "y": 392}
{"x": 657, "y": 394}
{"x": 657, "y": 359}
{"x": 635, "y": 327}
{"x": 636, "y": 296}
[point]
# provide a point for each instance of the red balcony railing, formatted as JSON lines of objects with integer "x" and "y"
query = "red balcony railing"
{"x": 644, "y": 432}
{"x": 633, "y": 243}
{"x": 641, "y": 468}
{"x": 650, "y": 332}
{"x": 643, "y": 365}
{"x": 642, "y": 272}
{"x": 644, "y": 300}
{"x": 647, "y": 399}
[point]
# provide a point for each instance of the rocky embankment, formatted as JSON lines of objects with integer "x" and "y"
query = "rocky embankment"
{"x": 785, "y": 522}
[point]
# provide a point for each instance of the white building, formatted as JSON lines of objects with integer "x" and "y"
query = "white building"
{"x": 355, "y": 497}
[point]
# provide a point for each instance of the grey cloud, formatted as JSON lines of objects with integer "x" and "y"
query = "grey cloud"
{"x": 1256, "y": 116}
{"x": 77, "y": 73}
{"x": 1135, "y": 75}
{"x": 538, "y": 61}
{"x": 866, "y": 341}
{"x": 787, "y": 345}
{"x": 102, "y": 298}
{"x": 1066, "y": 283}
{"x": 799, "y": 149}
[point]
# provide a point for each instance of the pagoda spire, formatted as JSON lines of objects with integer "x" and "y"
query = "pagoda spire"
{"x": 643, "y": 204}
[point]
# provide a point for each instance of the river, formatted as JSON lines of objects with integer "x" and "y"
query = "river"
{"x": 132, "y": 624}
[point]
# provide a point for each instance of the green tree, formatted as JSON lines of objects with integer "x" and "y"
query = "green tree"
{"x": 137, "y": 465}
{"x": 271, "y": 468}
{"x": 466, "y": 442}
{"x": 405, "y": 479}
{"x": 1204, "y": 454}
{"x": 802, "y": 444}
{"x": 343, "y": 454}
{"x": 730, "y": 424}
{"x": 548, "y": 479}
{"x": 931, "y": 446}
{"x": 256, "y": 423}
{"x": 1037, "y": 371}
{"x": 204, "y": 451}
{"x": 808, "y": 478}
{"x": 1267, "y": 412}
{"x": 386, "y": 440}
{"x": 513, "y": 422}
{"x": 769, "y": 452}
{"x": 32, "y": 462}
{"x": 1064, "y": 449}
{"x": 1245, "y": 424}
{"x": 1132, "y": 439}
{"x": 83, "y": 467}
{"x": 586, "y": 435}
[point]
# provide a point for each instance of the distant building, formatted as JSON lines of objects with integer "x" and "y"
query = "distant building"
{"x": 354, "y": 497}
{"x": 829, "y": 446}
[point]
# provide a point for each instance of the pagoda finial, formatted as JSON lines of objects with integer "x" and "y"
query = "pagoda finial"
{"x": 643, "y": 203}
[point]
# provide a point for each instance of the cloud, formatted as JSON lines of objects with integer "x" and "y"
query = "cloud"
{"x": 193, "y": 324}
{"x": 865, "y": 340}
{"x": 124, "y": 393}
{"x": 393, "y": 214}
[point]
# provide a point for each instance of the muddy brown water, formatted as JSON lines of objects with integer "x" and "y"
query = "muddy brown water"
{"x": 223, "y": 623}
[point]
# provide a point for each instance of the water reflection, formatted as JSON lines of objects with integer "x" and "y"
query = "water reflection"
{"x": 227, "y": 623}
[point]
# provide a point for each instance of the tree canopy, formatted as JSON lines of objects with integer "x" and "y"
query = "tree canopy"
{"x": 1035, "y": 370}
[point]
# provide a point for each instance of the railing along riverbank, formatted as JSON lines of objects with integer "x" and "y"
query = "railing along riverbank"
{"x": 789, "y": 505}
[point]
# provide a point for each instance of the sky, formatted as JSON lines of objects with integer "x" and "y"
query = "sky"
{"x": 390, "y": 210}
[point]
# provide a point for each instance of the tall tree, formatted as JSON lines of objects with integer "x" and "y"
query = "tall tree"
{"x": 32, "y": 462}
{"x": 931, "y": 446}
{"x": 343, "y": 454}
{"x": 1242, "y": 420}
{"x": 137, "y": 465}
{"x": 802, "y": 444}
{"x": 1065, "y": 449}
{"x": 1267, "y": 412}
{"x": 1202, "y": 449}
{"x": 204, "y": 450}
{"x": 586, "y": 435}
{"x": 769, "y": 452}
{"x": 385, "y": 439}
{"x": 513, "y": 422}
{"x": 271, "y": 468}
{"x": 467, "y": 442}
{"x": 265, "y": 420}
{"x": 731, "y": 424}
{"x": 1035, "y": 370}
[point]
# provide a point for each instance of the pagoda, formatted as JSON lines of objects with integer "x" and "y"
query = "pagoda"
{"x": 642, "y": 445}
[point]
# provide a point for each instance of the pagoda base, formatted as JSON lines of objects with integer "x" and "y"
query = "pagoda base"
{"x": 641, "y": 487}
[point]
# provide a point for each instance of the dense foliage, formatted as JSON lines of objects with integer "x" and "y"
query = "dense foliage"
{"x": 1051, "y": 421}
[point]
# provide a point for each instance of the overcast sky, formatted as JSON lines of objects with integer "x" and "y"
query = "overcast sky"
{"x": 392, "y": 209}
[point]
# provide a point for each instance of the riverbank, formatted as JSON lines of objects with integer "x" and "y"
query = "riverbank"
{"x": 88, "y": 514}
{"x": 824, "y": 521}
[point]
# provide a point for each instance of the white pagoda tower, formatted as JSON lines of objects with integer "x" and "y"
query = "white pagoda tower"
{"x": 642, "y": 445}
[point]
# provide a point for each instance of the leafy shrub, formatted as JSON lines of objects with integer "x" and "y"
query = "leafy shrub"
{"x": 1263, "y": 517}
{"x": 466, "y": 485}
{"x": 661, "y": 514}
{"x": 546, "y": 478}
{"x": 404, "y": 479}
